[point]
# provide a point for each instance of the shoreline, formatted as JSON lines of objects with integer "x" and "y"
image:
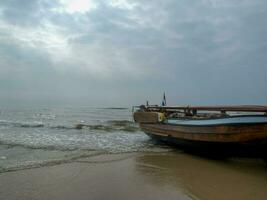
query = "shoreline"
{"x": 166, "y": 175}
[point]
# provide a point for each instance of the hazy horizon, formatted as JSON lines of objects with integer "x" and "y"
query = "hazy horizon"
{"x": 120, "y": 53}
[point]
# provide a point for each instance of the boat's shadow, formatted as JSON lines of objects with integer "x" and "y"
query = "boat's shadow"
{"x": 216, "y": 151}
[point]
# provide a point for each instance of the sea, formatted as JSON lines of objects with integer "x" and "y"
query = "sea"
{"x": 36, "y": 137}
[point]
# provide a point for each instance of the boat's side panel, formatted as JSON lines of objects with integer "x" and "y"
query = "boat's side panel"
{"x": 220, "y": 133}
{"x": 255, "y": 148}
{"x": 148, "y": 117}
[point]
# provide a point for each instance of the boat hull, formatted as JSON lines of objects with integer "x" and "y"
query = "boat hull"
{"x": 247, "y": 139}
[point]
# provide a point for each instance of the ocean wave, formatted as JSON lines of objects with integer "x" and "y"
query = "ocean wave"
{"x": 21, "y": 124}
{"x": 33, "y": 125}
{"x": 62, "y": 127}
{"x": 6, "y": 122}
{"x": 44, "y": 116}
{"x": 51, "y": 162}
{"x": 111, "y": 126}
{"x": 108, "y": 126}
{"x": 11, "y": 144}
{"x": 115, "y": 108}
{"x": 77, "y": 156}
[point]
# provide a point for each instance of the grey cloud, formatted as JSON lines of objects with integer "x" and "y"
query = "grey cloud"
{"x": 209, "y": 51}
{"x": 25, "y": 12}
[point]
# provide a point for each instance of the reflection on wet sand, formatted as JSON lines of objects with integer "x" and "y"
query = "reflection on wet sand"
{"x": 203, "y": 178}
{"x": 154, "y": 176}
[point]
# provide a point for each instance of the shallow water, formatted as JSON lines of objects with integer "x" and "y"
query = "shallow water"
{"x": 35, "y": 137}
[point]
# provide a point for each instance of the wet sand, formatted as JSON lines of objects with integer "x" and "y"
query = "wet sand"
{"x": 169, "y": 175}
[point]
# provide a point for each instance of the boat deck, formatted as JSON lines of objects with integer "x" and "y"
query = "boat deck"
{"x": 238, "y": 120}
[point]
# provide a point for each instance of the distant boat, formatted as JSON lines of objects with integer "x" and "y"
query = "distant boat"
{"x": 234, "y": 129}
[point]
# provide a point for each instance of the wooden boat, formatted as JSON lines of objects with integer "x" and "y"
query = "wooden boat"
{"x": 235, "y": 129}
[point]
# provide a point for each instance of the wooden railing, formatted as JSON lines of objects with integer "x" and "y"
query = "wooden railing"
{"x": 241, "y": 108}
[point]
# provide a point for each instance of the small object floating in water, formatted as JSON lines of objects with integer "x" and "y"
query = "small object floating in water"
{"x": 207, "y": 127}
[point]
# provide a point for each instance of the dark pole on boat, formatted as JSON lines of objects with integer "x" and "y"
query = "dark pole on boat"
{"x": 164, "y": 102}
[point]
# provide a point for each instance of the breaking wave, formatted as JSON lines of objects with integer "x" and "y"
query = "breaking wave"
{"x": 111, "y": 126}
{"x": 50, "y": 162}
{"x": 62, "y": 127}
{"x": 32, "y": 138}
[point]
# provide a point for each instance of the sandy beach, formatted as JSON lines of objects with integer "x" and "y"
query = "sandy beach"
{"x": 168, "y": 175}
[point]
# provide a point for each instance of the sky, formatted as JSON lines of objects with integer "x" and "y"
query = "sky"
{"x": 124, "y": 52}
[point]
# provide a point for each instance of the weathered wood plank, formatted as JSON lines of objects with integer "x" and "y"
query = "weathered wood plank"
{"x": 221, "y": 133}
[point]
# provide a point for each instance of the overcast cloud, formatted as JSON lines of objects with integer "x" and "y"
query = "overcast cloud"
{"x": 123, "y": 52}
